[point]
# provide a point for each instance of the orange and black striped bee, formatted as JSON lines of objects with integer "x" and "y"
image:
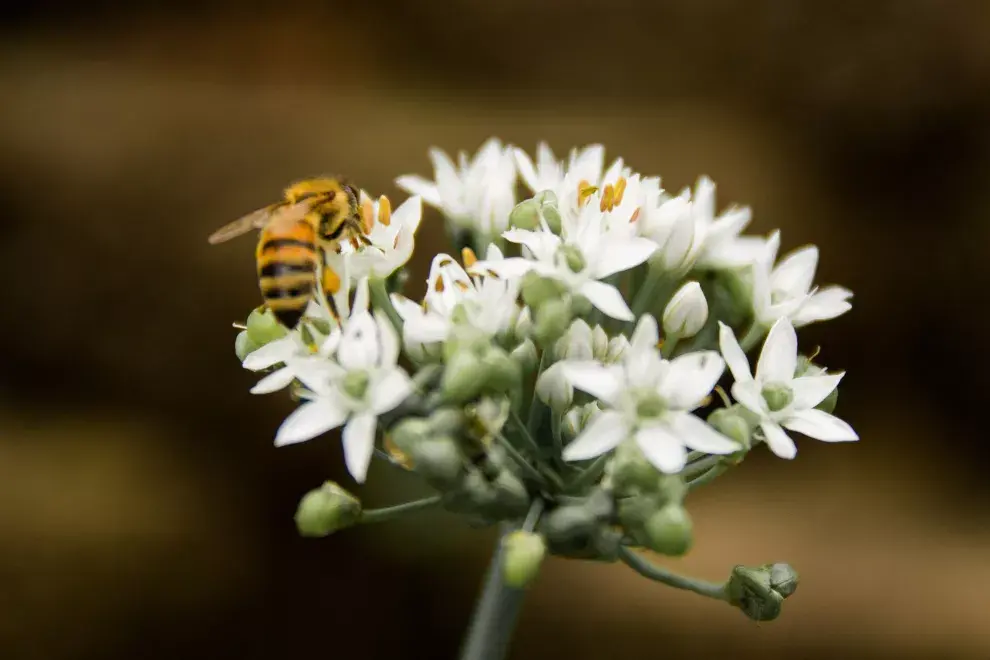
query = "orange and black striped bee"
{"x": 315, "y": 215}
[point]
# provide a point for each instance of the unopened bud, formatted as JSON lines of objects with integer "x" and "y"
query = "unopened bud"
{"x": 263, "y": 327}
{"x": 526, "y": 356}
{"x": 511, "y": 494}
{"x": 446, "y": 420}
{"x": 463, "y": 378}
{"x": 617, "y": 347}
{"x": 669, "y": 531}
{"x": 523, "y": 552}
{"x": 760, "y": 592}
{"x": 502, "y": 372}
{"x": 631, "y": 472}
{"x": 553, "y": 388}
{"x": 567, "y": 523}
{"x": 599, "y": 344}
{"x": 572, "y": 257}
{"x": 733, "y": 425}
{"x": 439, "y": 460}
{"x": 525, "y": 215}
{"x": 686, "y": 312}
{"x": 576, "y": 344}
{"x": 552, "y": 320}
{"x": 325, "y": 510}
{"x": 537, "y": 289}
{"x": 551, "y": 214}
{"x": 243, "y": 346}
{"x": 577, "y": 418}
{"x": 522, "y": 324}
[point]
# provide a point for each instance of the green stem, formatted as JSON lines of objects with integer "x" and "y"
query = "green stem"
{"x": 495, "y": 614}
{"x": 380, "y": 299}
{"x": 701, "y": 465}
{"x": 558, "y": 439}
{"x": 752, "y": 336}
{"x": 707, "y": 477}
{"x": 658, "y": 574}
{"x": 521, "y": 460}
{"x": 391, "y": 512}
{"x": 588, "y": 475}
{"x": 535, "y": 405}
{"x": 524, "y": 434}
{"x": 669, "y": 344}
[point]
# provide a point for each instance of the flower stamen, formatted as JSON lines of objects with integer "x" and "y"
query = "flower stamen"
{"x": 468, "y": 257}
{"x": 384, "y": 211}
{"x": 608, "y": 197}
{"x": 585, "y": 190}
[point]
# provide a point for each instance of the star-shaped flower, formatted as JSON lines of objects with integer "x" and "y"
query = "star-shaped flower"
{"x": 777, "y": 397}
{"x": 391, "y": 234}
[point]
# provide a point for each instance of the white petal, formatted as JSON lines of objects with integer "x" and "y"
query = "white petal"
{"x": 524, "y": 165}
{"x": 821, "y": 426}
{"x": 698, "y": 434}
{"x": 359, "y": 348}
{"x": 445, "y": 173}
{"x": 645, "y": 336}
{"x": 601, "y": 382}
{"x": 779, "y": 442}
{"x": 534, "y": 240}
{"x": 274, "y": 381}
{"x": 823, "y": 305}
{"x": 272, "y": 353}
{"x": 389, "y": 353}
{"x": 359, "y": 444}
{"x": 729, "y": 224}
{"x": 316, "y": 373}
{"x": 409, "y": 214}
{"x": 733, "y": 353}
{"x": 603, "y": 434}
{"x": 417, "y": 185}
{"x": 796, "y": 272}
{"x": 607, "y": 299}
{"x": 510, "y": 268}
{"x": 361, "y": 297}
{"x": 426, "y": 329}
{"x": 690, "y": 378}
{"x": 662, "y": 448}
{"x": 310, "y": 420}
{"x": 390, "y": 391}
{"x": 778, "y": 359}
{"x": 623, "y": 255}
{"x": 748, "y": 393}
{"x": 406, "y": 308}
{"x": 809, "y": 391}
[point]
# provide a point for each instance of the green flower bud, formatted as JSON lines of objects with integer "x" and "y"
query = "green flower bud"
{"x": 410, "y": 432}
{"x": 552, "y": 320}
{"x": 355, "y": 384}
{"x": 572, "y": 257}
{"x": 503, "y": 374}
{"x": 447, "y": 421}
{"x": 568, "y": 523}
{"x": 668, "y": 531}
{"x": 599, "y": 343}
{"x": 522, "y": 324}
{"x": 465, "y": 338}
{"x": 553, "y": 388}
{"x": 511, "y": 494}
{"x": 487, "y": 416}
{"x": 686, "y": 313}
{"x": 777, "y": 395}
{"x": 733, "y": 425}
{"x": 480, "y": 493}
{"x": 439, "y": 460}
{"x": 581, "y": 306}
{"x": 325, "y": 510}
{"x": 263, "y": 327}
{"x": 630, "y": 471}
{"x": 243, "y": 346}
{"x": 577, "y": 418}
{"x": 760, "y": 592}
{"x": 463, "y": 378}
{"x": 526, "y": 215}
{"x": 552, "y": 217}
{"x": 546, "y": 198}
{"x": 523, "y": 552}
{"x": 537, "y": 289}
{"x": 828, "y": 403}
{"x": 671, "y": 488}
{"x": 526, "y": 356}
{"x": 635, "y": 510}
{"x": 616, "y": 348}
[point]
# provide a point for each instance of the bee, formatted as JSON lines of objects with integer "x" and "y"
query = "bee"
{"x": 314, "y": 215}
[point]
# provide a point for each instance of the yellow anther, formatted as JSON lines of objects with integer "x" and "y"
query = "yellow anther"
{"x": 660, "y": 344}
{"x": 439, "y": 285}
{"x": 635, "y": 215}
{"x": 585, "y": 190}
{"x": 606, "y": 201}
{"x": 468, "y": 257}
{"x": 620, "y": 189}
{"x": 384, "y": 211}
{"x": 367, "y": 215}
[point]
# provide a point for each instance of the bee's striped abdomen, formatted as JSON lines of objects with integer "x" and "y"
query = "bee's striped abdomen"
{"x": 287, "y": 260}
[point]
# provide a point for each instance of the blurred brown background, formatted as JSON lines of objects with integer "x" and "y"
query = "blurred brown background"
{"x": 143, "y": 510}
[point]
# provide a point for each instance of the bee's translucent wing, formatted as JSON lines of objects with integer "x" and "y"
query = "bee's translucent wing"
{"x": 244, "y": 224}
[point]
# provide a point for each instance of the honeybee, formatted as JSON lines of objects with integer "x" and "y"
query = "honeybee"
{"x": 314, "y": 215}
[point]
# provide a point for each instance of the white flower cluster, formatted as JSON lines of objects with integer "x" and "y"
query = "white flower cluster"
{"x": 563, "y": 308}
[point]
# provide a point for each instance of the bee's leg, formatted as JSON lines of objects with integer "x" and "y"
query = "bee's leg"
{"x": 330, "y": 284}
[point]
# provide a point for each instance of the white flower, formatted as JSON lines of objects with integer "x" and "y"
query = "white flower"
{"x": 576, "y": 344}
{"x": 583, "y": 255}
{"x": 477, "y": 194}
{"x": 686, "y": 312}
{"x": 650, "y": 400}
{"x": 548, "y": 172}
{"x": 391, "y": 235}
{"x": 299, "y": 357}
{"x": 488, "y": 302}
{"x": 785, "y": 290}
{"x": 777, "y": 397}
{"x": 362, "y": 384}
{"x": 718, "y": 244}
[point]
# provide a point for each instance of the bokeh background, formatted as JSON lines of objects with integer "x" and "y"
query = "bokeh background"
{"x": 143, "y": 509}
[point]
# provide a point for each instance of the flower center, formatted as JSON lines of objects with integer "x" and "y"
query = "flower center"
{"x": 355, "y": 384}
{"x": 650, "y": 406}
{"x": 777, "y": 395}
{"x": 573, "y": 258}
